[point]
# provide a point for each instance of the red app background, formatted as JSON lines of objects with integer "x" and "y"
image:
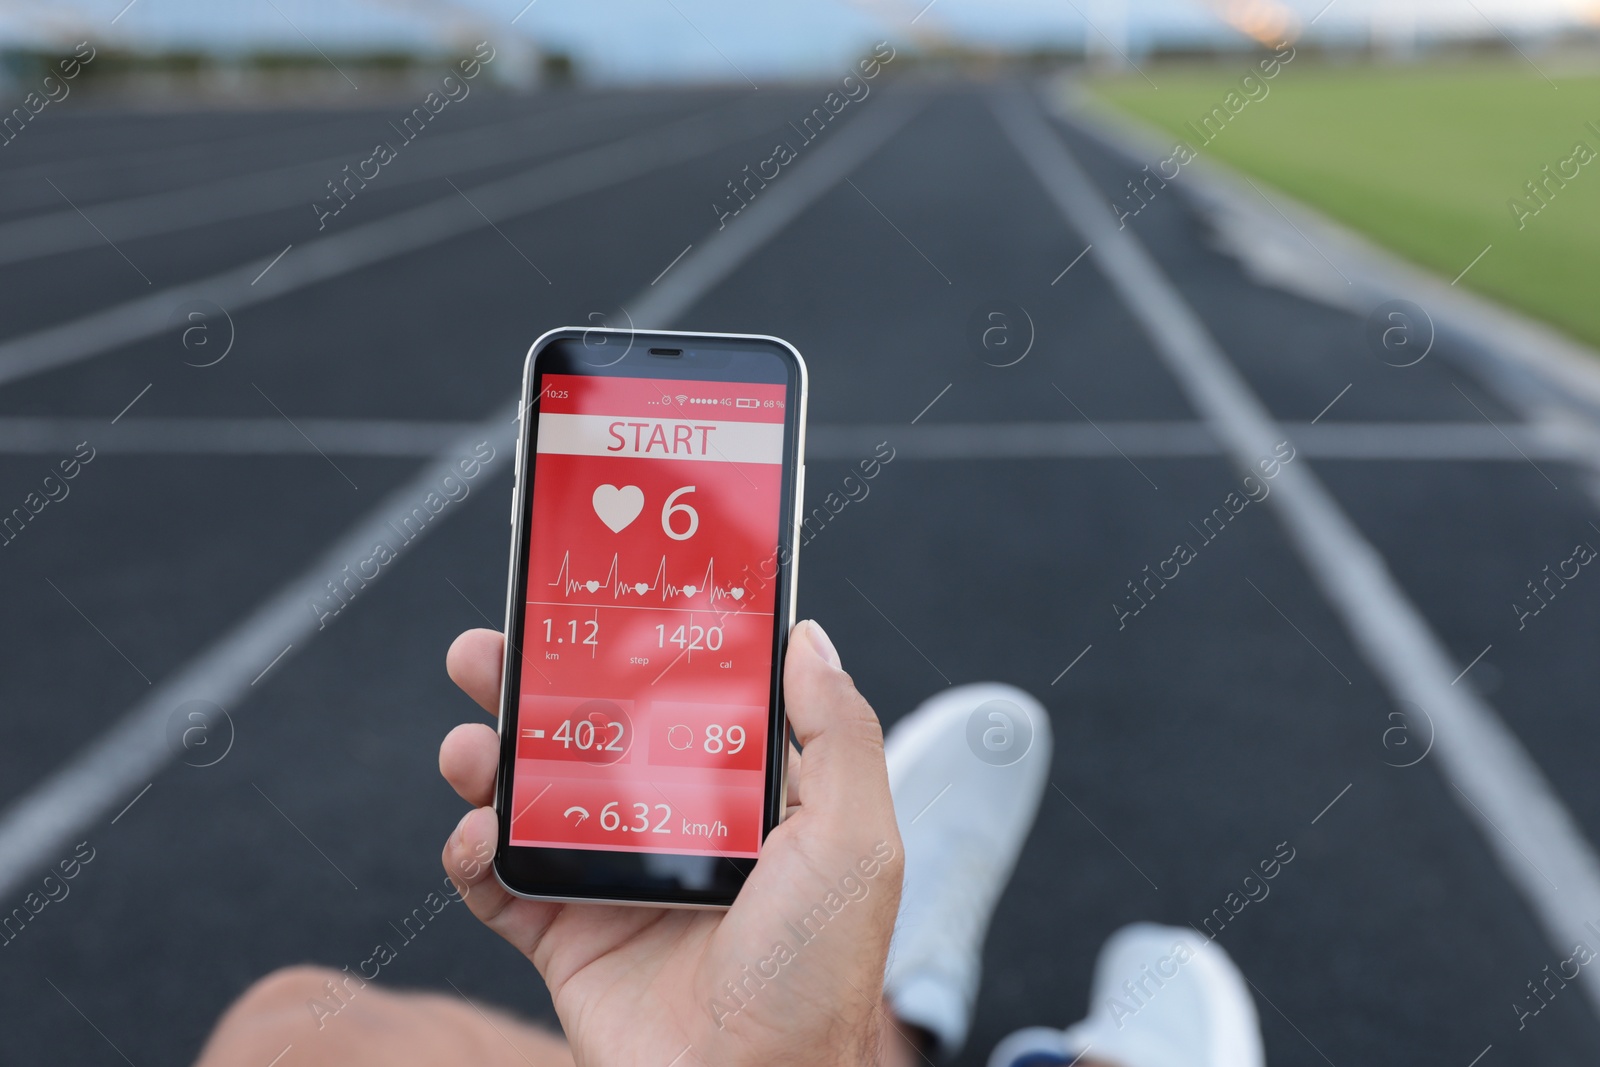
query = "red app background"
{"x": 647, "y": 640}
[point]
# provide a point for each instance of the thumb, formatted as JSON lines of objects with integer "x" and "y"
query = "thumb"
{"x": 843, "y": 771}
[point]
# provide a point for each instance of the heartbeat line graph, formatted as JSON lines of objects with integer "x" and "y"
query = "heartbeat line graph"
{"x": 707, "y": 586}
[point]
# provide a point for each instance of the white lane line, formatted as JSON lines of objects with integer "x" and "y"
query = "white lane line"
{"x": 27, "y": 435}
{"x": 408, "y": 230}
{"x": 1507, "y": 795}
{"x": 37, "y": 825}
{"x": 18, "y": 190}
{"x": 1178, "y": 439}
{"x": 240, "y": 196}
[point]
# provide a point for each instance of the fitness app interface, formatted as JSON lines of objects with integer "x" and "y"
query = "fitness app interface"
{"x": 647, "y": 638}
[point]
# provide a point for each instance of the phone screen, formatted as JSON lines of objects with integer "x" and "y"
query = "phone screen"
{"x": 648, "y": 616}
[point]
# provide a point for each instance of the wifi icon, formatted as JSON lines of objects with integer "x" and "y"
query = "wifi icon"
{"x": 682, "y": 397}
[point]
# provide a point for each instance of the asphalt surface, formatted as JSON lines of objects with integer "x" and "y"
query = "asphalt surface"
{"x": 1219, "y": 723}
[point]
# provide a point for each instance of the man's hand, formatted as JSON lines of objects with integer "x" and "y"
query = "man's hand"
{"x": 792, "y": 973}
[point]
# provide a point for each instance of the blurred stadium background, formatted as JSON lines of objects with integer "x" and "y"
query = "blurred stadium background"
{"x": 1385, "y": 251}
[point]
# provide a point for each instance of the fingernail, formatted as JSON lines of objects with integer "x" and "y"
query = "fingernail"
{"x": 461, "y": 827}
{"x": 819, "y": 641}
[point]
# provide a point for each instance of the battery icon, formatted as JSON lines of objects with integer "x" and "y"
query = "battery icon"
{"x": 746, "y": 402}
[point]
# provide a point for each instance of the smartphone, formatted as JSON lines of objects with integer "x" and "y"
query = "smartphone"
{"x": 643, "y": 744}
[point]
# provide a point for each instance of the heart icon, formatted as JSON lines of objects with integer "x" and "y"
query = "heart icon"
{"x": 640, "y": 588}
{"x": 689, "y": 590}
{"x": 618, "y": 508}
{"x": 737, "y": 592}
{"x": 592, "y": 585}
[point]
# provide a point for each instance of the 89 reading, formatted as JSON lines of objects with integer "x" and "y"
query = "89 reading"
{"x": 643, "y": 717}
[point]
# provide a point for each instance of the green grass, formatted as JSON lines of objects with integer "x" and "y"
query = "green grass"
{"x": 1421, "y": 159}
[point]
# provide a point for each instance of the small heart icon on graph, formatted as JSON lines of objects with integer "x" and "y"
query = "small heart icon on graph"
{"x": 618, "y": 508}
{"x": 690, "y": 590}
{"x": 737, "y": 592}
{"x": 592, "y": 585}
{"x": 640, "y": 588}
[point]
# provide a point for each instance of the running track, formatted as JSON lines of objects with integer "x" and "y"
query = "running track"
{"x": 1249, "y": 702}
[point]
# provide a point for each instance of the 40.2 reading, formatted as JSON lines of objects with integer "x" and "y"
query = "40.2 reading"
{"x": 585, "y": 735}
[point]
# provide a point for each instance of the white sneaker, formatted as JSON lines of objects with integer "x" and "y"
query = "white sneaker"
{"x": 967, "y": 770}
{"x": 1163, "y": 997}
